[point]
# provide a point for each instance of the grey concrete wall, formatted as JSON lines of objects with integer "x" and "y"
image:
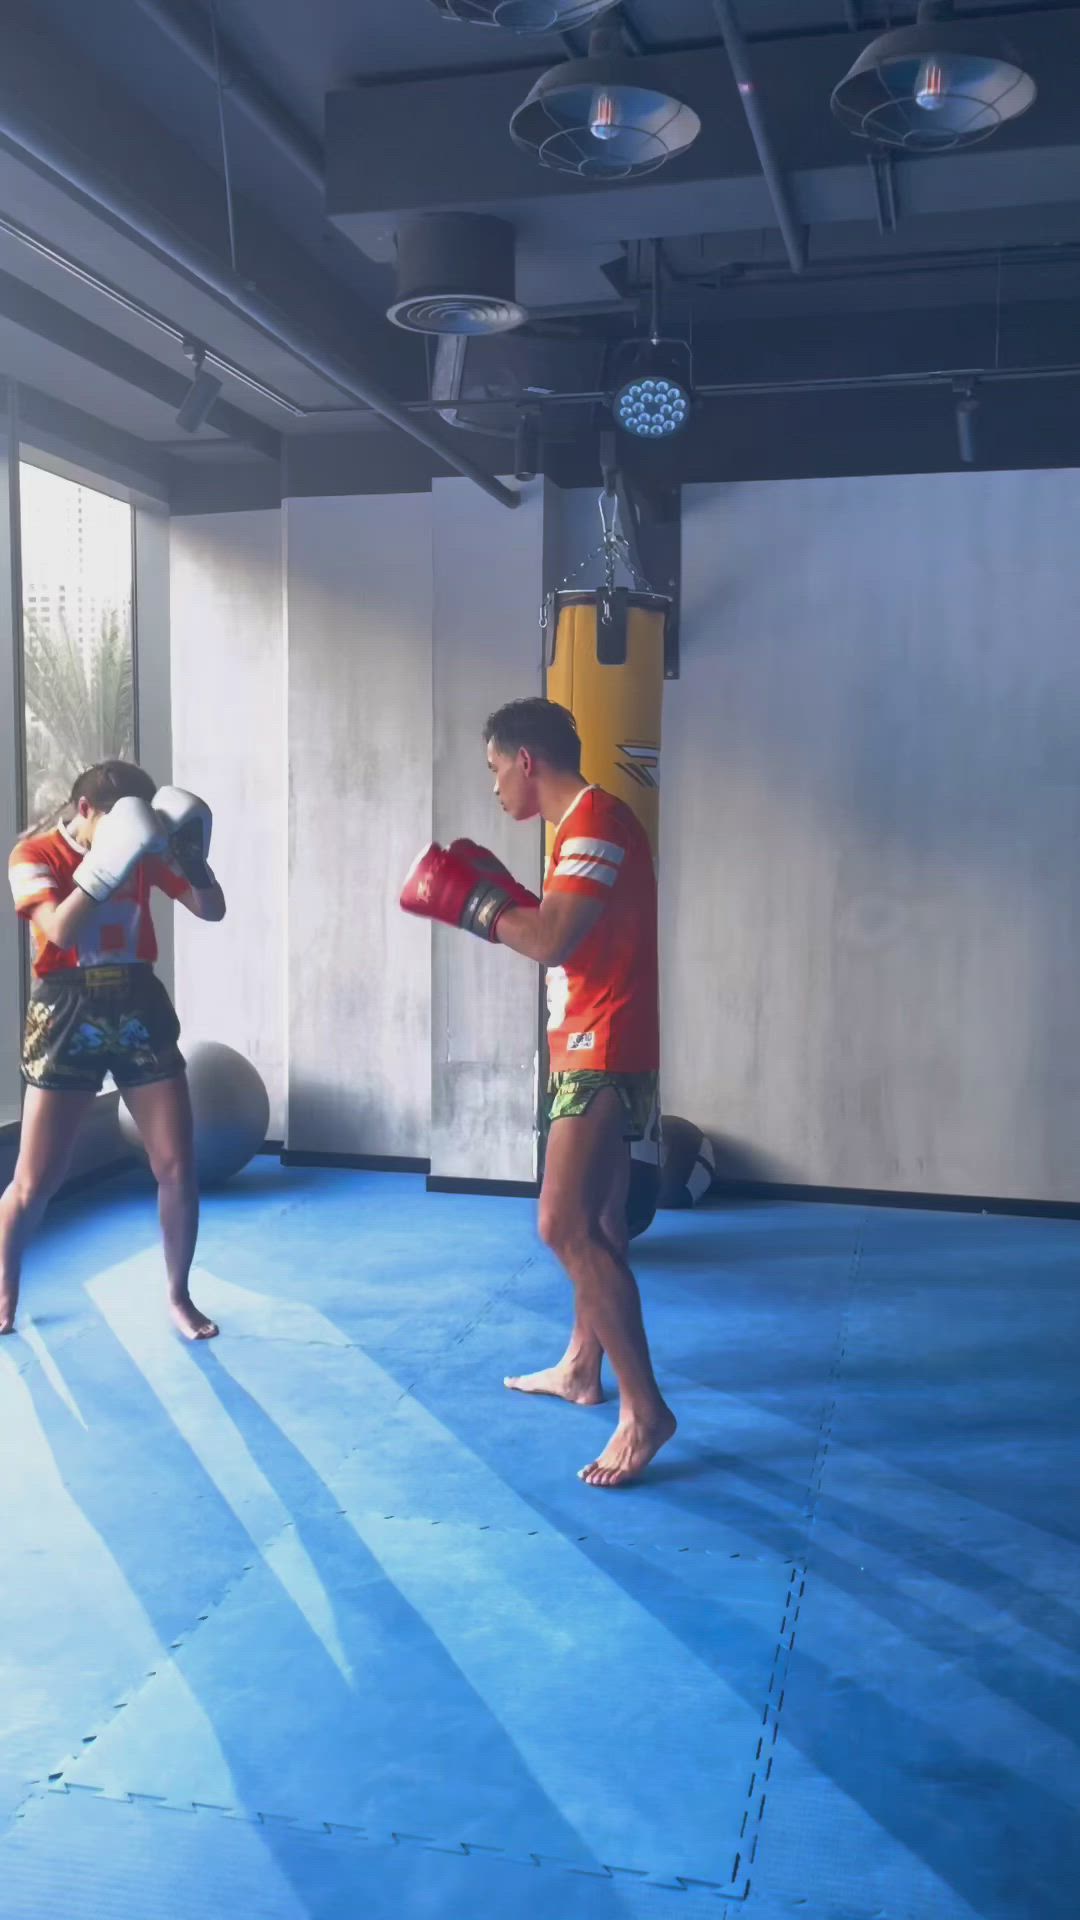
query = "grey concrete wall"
{"x": 11, "y": 935}
{"x": 359, "y": 620}
{"x": 870, "y": 895}
{"x": 153, "y": 589}
{"x": 228, "y": 728}
{"x": 490, "y": 571}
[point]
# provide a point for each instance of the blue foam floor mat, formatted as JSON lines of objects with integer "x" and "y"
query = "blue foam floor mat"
{"x": 317, "y": 1621}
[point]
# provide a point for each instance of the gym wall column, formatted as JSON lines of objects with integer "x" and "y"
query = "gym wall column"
{"x": 490, "y": 573}
{"x": 358, "y": 584}
{"x": 228, "y": 739}
{"x": 11, "y": 1009}
{"x": 152, "y": 595}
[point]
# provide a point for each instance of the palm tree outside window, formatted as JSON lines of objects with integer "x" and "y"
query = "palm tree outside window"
{"x": 78, "y": 633}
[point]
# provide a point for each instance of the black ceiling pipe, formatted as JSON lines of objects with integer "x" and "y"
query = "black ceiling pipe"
{"x": 57, "y": 157}
{"x": 739, "y": 54}
{"x": 241, "y": 83}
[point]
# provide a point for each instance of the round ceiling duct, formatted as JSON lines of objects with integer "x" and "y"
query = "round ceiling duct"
{"x": 487, "y": 386}
{"x": 455, "y": 275}
{"x": 606, "y": 118}
{"x": 524, "y": 16}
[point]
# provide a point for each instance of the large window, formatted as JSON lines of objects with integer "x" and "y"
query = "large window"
{"x": 78, "y": 643}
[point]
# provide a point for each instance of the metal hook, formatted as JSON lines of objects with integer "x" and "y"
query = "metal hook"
{"x": 609, "y": 516}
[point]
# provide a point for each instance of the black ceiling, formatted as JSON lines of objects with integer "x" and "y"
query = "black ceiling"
{"x": 967, "y": 262}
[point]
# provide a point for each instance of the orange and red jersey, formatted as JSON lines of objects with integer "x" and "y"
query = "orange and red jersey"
{"x": 603, "y": 1006}
{"x": 41, "y": 871}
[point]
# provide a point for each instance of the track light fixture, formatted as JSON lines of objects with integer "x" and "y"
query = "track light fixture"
{"x": 931, "y": 88}
{"x": 201, "y": 394}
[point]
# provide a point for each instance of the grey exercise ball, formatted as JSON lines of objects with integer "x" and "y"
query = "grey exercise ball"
{"x": 231, "y": 1109}
{"x": 689, "y": 1164}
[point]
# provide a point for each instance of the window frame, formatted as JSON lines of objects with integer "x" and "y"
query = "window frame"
{"x": 16, "y": 449}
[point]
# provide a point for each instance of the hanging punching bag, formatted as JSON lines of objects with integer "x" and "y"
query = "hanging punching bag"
{"x": 606, "y": 664}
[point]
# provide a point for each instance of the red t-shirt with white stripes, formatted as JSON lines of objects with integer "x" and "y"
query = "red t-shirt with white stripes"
{"x": 603, "y": 1006}
{"x": 42, "y": 869}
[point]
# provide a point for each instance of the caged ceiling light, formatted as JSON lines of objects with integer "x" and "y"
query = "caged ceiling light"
{"x": 931, "y": 88}
{"x": 524, "y": 16}
{"x": 606, "y": 118}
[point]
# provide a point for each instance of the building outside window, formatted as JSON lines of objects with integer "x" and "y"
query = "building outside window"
{"x": 78, "y": 633}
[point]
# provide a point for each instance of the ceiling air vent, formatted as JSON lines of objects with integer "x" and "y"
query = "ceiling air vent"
{"x": 455, "y": 275}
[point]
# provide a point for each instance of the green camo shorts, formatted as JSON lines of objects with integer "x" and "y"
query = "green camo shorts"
{"x": 570, "y": 1095}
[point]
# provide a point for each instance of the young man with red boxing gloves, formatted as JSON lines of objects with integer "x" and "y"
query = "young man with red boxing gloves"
{"x": 595, "y": 932}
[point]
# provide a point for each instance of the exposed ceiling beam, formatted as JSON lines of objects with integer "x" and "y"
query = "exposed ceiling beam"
{"x": 86, "y": 276}
{"x": 50, "y": 320}
{"x": 192, "y": 32}
{"x": 738, "y": 53}
{"x": 1008, "y": 20}
{"x": 50, "y": 151}
{"x": 57, "y": 428}
{"x": 59, "y": 84}
{"x": 629, "y": 29}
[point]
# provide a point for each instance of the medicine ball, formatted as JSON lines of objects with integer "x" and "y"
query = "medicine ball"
{"x": 688, "y": 1164}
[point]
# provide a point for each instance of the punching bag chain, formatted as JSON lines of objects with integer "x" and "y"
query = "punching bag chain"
{"x": 614, "y": 549}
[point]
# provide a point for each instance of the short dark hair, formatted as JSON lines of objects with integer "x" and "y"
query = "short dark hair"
{"x": 102, "y": 786}
{"x": 542, "y": 727}
{"x": 110, "y": 781}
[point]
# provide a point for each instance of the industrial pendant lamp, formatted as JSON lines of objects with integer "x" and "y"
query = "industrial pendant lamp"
{"x": 931, "y": 88}
{"x": 605, "y": 118}
{"x": 524, "y": 16}
{"x": 655, "y": 394}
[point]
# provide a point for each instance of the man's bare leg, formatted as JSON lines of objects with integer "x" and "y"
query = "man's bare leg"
{"x": 576, "y": 1377}
{"x": 50, "y": 1123}
{"x": 162, "y": 1113}
{"x": 582, "y": 1158}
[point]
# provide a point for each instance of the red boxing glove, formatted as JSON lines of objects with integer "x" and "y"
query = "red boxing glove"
{"x": 442, "y": 885}
{"x": 489, "y": 863}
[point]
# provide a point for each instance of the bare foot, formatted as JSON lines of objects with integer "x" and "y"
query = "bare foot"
{"x": 8, "y": 1304}
{"x": 631, "y": 1447}
{"x": 563, "y": 1382}
{"x": 189, "y": 1321}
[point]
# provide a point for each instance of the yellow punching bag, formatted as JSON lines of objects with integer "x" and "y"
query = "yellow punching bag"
{"x": 606, "y": 665}
{"x": 610, "y": 675}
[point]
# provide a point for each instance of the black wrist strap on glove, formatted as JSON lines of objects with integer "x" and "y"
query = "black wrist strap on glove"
{"x": 482, "y": 909}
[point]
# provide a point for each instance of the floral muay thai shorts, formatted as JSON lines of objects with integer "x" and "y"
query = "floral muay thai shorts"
{"x": 571, "y": 1094}
{"x": 89, "y": 1021}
